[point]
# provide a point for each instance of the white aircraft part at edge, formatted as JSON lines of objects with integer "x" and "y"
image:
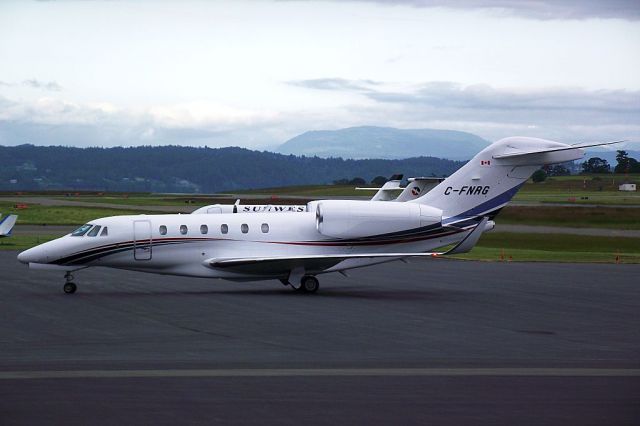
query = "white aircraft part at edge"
{"x": 6, "y": 224}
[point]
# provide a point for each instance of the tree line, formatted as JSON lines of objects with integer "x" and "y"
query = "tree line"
{"x": 625, "y": 164}
{"x": 189, "y": 169}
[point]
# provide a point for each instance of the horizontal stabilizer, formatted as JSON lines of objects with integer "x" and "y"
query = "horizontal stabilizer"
{"x": 427, "y": 179}
{"x": 393, "y": 188}
{"x": 555, "y": 149}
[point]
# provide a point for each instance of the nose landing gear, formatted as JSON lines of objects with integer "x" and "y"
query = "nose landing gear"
{"x": 69, "y": 287}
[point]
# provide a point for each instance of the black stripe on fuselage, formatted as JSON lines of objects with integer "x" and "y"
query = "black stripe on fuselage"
{"x": 414, "y": 235}
{"x": 101, "y": 251}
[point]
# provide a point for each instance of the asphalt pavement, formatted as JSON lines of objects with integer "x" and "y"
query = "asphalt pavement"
{"x": 430, "y": 342}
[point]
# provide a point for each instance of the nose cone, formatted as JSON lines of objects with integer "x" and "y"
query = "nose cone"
{"x": 37, "y": 254}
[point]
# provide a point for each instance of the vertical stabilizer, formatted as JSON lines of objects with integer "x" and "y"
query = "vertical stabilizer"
{"x": 6, "y": 225}
{"x": 490, "y": 179}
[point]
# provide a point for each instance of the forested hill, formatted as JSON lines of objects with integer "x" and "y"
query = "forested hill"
{"x": 188, "y": 169}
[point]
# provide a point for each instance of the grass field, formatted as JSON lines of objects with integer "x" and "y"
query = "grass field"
{"x": 60, "y": 215}
{"x": 493, "y": 246}
{"x": 548, "y": 215}
{"x": 581, "y": 189}
{"x": 583, "y": 197}
{"x": 145, "y": 200}
{"x": 312, "y": 191}
{"x": 574, "y": 217}
{"x": 23, "y": 242}
{"x": 554, "y": 248}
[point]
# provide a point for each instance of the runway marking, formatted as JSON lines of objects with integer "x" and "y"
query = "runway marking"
{"x": 322, "y": 372}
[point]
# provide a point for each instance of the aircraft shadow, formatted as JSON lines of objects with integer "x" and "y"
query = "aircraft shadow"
{"x": 338, "y": 293}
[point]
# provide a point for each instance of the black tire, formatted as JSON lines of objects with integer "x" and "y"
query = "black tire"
{"x": 309, "y": 284}
{"x": 70, "y": 288}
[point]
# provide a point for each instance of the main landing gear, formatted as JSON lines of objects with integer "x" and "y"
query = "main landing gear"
{"x": 69, "y": 286}
{"x": 309, "y": 284}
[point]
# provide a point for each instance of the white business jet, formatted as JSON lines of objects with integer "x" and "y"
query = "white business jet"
{"x": 330, "y": 236}
{"x": 6, "y": 225}
{"x": 417, "y": 187}
{"x": 388, "y": 191}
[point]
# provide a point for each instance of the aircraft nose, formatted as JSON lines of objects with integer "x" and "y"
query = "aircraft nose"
{"x": 33, "y": 255}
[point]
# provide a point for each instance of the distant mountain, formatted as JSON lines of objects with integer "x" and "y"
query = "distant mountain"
{"x": 385, "y": 142}
{"x": 188, "y": 169}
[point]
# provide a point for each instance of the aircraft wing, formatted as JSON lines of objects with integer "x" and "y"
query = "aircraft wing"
{"x": 319, "y": 262}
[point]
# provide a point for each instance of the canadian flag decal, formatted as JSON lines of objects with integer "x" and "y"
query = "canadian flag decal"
{"x": 485, "y": 162}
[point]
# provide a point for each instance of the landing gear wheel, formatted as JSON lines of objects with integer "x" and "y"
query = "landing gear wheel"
{"x": 309, "y": 284}
{"x": 70, "y": 288}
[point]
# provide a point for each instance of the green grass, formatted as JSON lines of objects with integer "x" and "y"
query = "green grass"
{"x": 23, "y": 242}
{"x": 143, "y": 200}
{"x": 310, "y": 191}
{"x": 493, "y": 246}
{"x": 609, "y": 198}
{"x": 554, "y": 248}
{"x": 575, "y": 217}
{"x": 524, "y": 255}
{"x": 61, "y": 215}
{"x": 580, "y": 189}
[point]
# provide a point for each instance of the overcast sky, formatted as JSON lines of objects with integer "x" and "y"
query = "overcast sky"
{"x": 256, "y": 73}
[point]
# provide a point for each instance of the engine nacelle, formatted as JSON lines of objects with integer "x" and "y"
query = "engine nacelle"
{"x": 357, "y": 219}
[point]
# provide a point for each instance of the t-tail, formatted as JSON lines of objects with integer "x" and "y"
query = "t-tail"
{"x": 489, "y": 180}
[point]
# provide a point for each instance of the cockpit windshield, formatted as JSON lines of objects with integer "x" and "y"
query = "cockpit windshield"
{"x": 82, "y": 230}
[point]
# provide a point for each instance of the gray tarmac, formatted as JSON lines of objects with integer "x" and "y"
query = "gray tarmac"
{"x": 429, "y": 342}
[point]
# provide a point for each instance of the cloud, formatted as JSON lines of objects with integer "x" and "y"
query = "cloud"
{"x": 333, "y": 84}
{"x": 498, "y": 112}
{"x": 36, "y": 84}
{"x": 52, "y": 121}
{"x": 537, "y": 9}
{"x": 564, "y": 114}
{"x": 487, "y": 98}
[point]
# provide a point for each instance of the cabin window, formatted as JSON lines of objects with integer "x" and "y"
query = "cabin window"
{"x": 224, "y": 228}
{"x": 183, "y": 229}
{"x": 105, "y": 232}
{"x": 94, "y": 231}
{"x": 265, "y": 228}
{"x": 244, "y": 228}
{"x": 204, "y": 229}
{"x": 82, "y": 230}
{"x": 163, "y": 230}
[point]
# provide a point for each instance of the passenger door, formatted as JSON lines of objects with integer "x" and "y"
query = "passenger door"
{"x": 142, "y": 241}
